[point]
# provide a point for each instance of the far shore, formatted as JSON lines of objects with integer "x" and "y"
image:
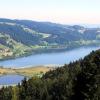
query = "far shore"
{"x": 49, "y": 50}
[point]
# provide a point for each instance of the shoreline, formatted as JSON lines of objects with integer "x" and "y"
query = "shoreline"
{"x": 37, "y": 71}
{"x": 50, "y": 50}
{"x": 27, "y": 72}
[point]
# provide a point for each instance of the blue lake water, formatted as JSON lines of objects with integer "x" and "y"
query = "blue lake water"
{"x": 42, "y": 59}
{"x": 48, "y": 58}
{"x": 10, "y": 79}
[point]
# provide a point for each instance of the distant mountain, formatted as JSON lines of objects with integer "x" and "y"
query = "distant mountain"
{"x": 91, "y": 25}
{"x": 22, "y": 36}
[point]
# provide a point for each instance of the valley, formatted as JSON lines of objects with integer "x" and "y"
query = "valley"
{"x": 25, "y": 37}
{"x": 13, "y": 71}
{"x": 49, "y": 49}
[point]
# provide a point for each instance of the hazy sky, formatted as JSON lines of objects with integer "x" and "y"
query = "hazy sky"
{"x": 60, "y": 11}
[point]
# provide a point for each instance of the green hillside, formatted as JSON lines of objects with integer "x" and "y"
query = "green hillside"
{"x": 21, "y": 37}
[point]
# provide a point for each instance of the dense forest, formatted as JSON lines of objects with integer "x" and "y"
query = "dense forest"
{"x": 79, "y": 80}
{"x": 21, "y": 37}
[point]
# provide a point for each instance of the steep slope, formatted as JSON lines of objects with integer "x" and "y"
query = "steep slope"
{"x": 16, "y": 40}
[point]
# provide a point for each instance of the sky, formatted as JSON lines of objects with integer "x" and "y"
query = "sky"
{"x": 59, "y": 11}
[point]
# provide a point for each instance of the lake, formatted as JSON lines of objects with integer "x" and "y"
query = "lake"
{"x": 59, "y": 58}
{"x": 42, "y": 59}
{"x": 10, "y": 79}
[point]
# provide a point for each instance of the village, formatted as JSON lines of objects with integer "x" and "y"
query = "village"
{"x": 5, "y": 52}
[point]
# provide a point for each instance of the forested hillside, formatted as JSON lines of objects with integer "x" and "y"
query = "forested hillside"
{"x": 79, "y": 80}
{"x": 20, "y": 37}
